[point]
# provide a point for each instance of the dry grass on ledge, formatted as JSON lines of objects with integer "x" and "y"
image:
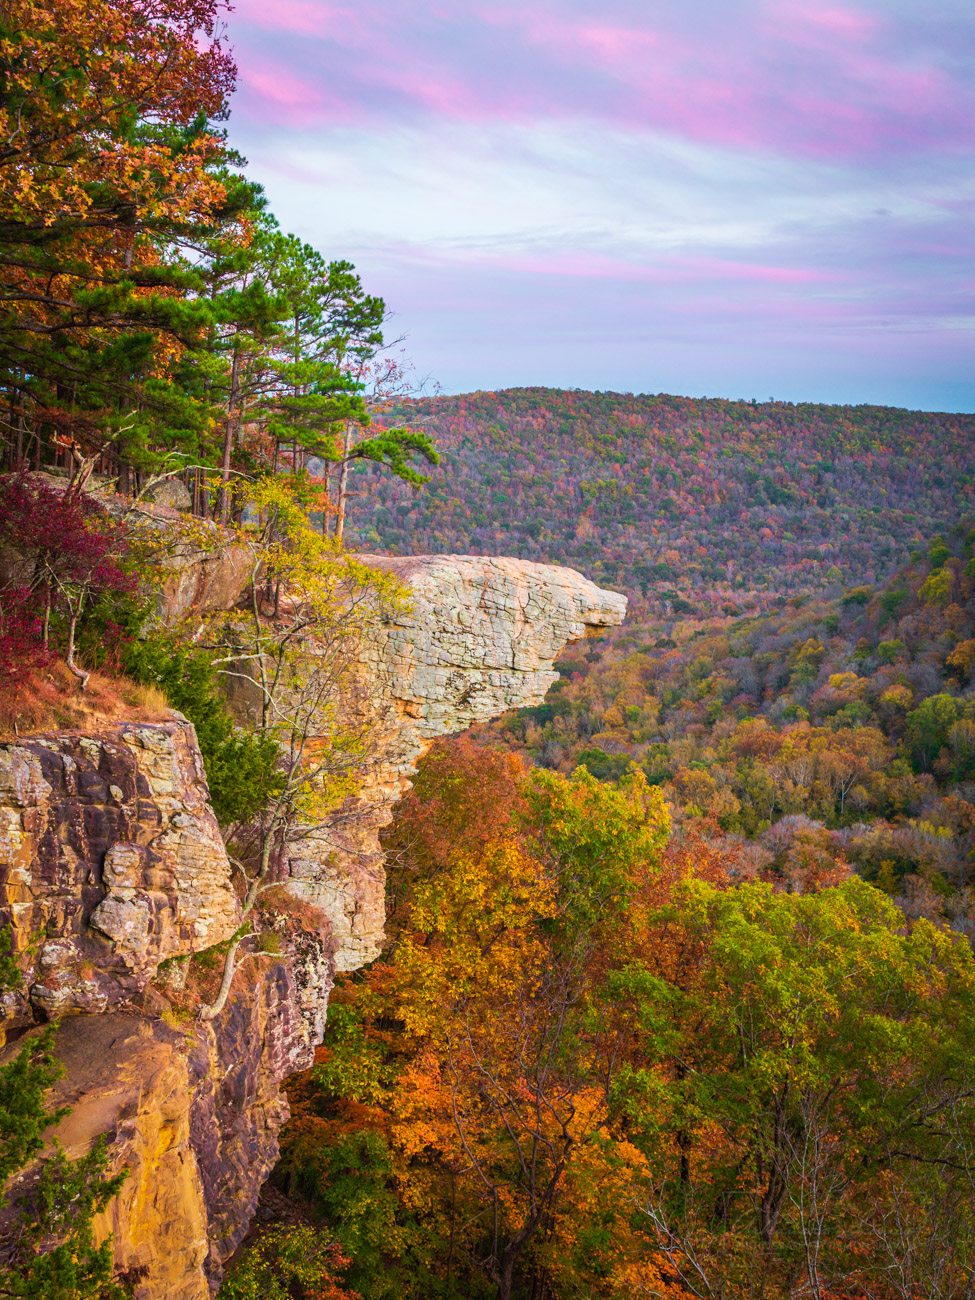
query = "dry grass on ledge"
{"x": 50, "y": 700}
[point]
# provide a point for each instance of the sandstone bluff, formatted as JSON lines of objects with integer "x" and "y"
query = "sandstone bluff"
{"x": 113, "y": 874}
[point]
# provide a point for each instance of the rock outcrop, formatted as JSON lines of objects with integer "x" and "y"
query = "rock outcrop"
{"x": 199, "y": 578}
{"x": 112, "y": 874}
{"x": 113, "y": 878}
{"x": 111, "y": 857}
{"x": 191, "y": 1115}
{"x": 479, "y": 636}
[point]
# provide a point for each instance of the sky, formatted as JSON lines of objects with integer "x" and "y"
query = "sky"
{"x": 725, "y": 198}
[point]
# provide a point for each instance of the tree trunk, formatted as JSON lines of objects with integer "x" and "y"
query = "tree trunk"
{"x": 15, "y": 439}
{"x": 69, "y": 657}
{"x": 20, "y": 436}
{"x": 326, "y": 497}
{"x": 506, "y": 1279}
{"x": 343, "y": 486}
{"x": 229, "y": 970}
{"x": 228, "y": 434}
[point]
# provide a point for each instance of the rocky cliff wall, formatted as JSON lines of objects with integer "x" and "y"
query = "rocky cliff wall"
{"x": 113, "y": 874}
{"x": 111, "y": 862}
{"x": 478, "y": 636}
{"x": 115, "y": 882}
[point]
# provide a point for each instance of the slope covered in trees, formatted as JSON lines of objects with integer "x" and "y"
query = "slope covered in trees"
{"x": 597, "y": 1063}
{"x": 683, "y": 1007}
{"x": 834, "y": 731}
{"x": 701, "y": 501}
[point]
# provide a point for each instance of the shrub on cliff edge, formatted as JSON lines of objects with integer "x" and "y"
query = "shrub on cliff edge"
{"x": 47, "y": 1248}
{"x": 241, "y": 767}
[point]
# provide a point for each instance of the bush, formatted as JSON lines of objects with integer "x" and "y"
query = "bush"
{"x": 241, "y": 767}
{"x": 288, "y": 1264}
{"x": 65, "y": 554}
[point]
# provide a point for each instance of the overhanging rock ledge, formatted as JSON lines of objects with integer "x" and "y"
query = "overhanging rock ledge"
{"x": 480, "y": 636}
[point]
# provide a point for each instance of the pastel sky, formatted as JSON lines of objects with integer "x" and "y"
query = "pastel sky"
{"x": 738, "y": 198}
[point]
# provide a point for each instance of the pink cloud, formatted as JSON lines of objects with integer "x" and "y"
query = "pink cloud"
{"x": 301, "y": 17}
{"x": 615, "y": 43}
{"x": 831, "y": 20}
{"x": 714, "y": 268}
{"x": 279, "y": 85}
{"x": 794, "y": 76}
{"x": 670, "y": 268}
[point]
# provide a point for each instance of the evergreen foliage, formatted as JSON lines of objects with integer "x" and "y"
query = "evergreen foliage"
{"x": 241, "y": 765}
{"x": 47, "y": 1250}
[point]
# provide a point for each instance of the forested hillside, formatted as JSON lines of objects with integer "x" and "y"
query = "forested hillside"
{"x": 676, "y": 996}
{"x": 705, "y": 499}
{"x": 833, "y": 732}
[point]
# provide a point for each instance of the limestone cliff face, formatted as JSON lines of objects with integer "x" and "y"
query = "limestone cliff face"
{"x": 112, "y": 863}
{"x": 480, "y": 636}
{"x": 114, "y": 878}
{"x": 109, "y": 854}
{"x": 191, "y": 1114}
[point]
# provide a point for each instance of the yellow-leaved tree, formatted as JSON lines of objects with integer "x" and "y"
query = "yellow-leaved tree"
{"x": 467, "y": 1079}
{"x": 290, "y": 660}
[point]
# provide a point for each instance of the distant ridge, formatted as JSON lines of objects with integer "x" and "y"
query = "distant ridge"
{"x": 648, "y": 493}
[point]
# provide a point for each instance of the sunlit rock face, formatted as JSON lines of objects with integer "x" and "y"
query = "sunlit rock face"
{"x": 191, "y": 1114}
{"x": 111, "y": 862}
{"x": 481, "y": 636}
{"x": 478, "y": 636}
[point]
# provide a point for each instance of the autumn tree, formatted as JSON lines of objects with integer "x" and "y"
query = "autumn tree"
{"x": 474, "y": 1045}
{"x": 805, "y": 1082}
{"x": 108, "y": 158}
{"x": 66, "y": 552}
{"x": 283, "y": 1264}
{"x": 291, "y": 661}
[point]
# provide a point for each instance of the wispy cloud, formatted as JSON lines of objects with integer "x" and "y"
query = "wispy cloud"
{"x": 785, "y": 182}
{"x": 794, "y": 76}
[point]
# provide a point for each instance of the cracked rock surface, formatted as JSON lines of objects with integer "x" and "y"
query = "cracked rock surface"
{"x": 111, "y": 862}
{"x": 479, "y": 637}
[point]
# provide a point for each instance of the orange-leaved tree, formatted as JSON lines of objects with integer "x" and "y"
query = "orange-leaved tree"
{"x": 466, "y": 1078}
{"x": 108, "y": 167}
